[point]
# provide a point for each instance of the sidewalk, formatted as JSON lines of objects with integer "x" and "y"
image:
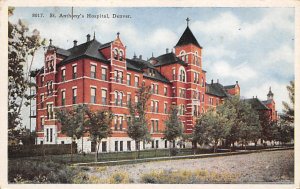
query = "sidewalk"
{"x": 122, "y": 162}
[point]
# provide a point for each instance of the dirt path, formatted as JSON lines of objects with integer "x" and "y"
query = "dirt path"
{"x": 275, "y": 166}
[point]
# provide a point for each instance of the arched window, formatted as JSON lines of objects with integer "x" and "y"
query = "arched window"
{"x": 196, "y": 58}
{"x": 182, "y": 74}
{"x": 183, "y": 56}
{"x": 121, "y": 54}
{"x": 116, "y": 52}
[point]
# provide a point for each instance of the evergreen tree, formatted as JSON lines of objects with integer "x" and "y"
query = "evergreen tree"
{"x": 288, "y": 111}
{"x": 98, "y": 125}
{"x": 174, "y": 128}
{"x": 137, "y": 125}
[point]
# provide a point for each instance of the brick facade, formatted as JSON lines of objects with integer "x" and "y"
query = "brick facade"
{"x": 103, "y": 77}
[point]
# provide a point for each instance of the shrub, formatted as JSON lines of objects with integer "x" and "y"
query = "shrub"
{"x": 187, "y": 177}
{"x": 23, "y": 171}
{"x": 119, "y": 178}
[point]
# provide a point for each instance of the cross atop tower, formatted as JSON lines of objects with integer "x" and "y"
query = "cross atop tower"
{"x": 118, "y": 34}
{"x": 187, "y": 21}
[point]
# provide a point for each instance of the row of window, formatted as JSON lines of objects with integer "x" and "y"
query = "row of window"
{"x": 184, "y": 57}
{"x": 118, "y": 54}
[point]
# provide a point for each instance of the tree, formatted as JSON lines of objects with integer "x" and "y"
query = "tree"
{"x": 285, "y": 131}
{"x": 209, "y": 128}
{"x": 288, "y": 111}
{"x": 137, "y": 125}
{"x": 174, "y": 126}
{"x": 250, "y": 131}
{"x": 72, "y": 122}
{"x": 99, "y": 127}
{"x": 22, "y": 46}
{"x": 242, "y": 121}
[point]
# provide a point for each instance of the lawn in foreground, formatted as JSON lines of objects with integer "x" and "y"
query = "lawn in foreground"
{"x": 264, "y": 167}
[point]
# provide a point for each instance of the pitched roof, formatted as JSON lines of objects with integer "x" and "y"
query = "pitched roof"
{"x": 267, "y": 101}
{"x": 137, "y": 64}
{"x": 229, "y": 86}
{"x": 256, "y": 104}
{"x": 169, "y": 58}
{"x": 62, "y": 52}
{"x": 187, "y": 38}
{"x": 215, "y": 89}
{"x": 88, "y": 49}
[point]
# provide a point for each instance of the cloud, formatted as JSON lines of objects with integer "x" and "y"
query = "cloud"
{"x": 227, "y": 71}
{"x": 228, "y": 26}
{"x": 218, "y": 52}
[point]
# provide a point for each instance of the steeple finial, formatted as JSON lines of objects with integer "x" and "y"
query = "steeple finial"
{"x": 50, "y": 40}
{"x": 94, "y": 35}
{"x": 118, "y": 34}
{"x": 187, "y": 21}
{"x": 152, "y": 54}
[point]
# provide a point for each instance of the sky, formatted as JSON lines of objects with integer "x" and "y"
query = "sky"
{"x": 254, "y": 46}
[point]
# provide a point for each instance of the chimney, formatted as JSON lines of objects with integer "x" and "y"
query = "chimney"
{"x": 217, "y": 80}
{"x": 88, "y": 37}
{"x": 212, "y": 81}
{"x": 236, "y": 82}
{"x": 256, "y": 96}
{"x": 75, "y": 43}
{"x": 167, "y": 50}
{"x": 134, "y": 56}
{"x": 140, "y": 57}
{"x": 253, "y": 97}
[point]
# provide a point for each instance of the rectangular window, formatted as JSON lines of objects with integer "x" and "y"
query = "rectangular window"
{"x": 152, "y": 105}
{"x": 156, "y": 143}
{"x": 74, "y": 99}
{"x": 51, "y": 133}
{"x": 156, "y": 106}
{"x": 120, "y": 75}
{"x": 166, "y": 144}
{"x": 128, "y": 80}
{"x": 202, "y": 97}
{"x": 47, "y": 135}
{"x": 121, "y": 123}
{"x": 116, "y": 146}
{"x": 63, "y": 75}
{"x": 93, "y": 95}
{"x": 166, "y": 108}
{"x": 42, "y": 101}
{"x": 103, "y": 74}
{"x": 42, "y": 123}
{"x": 63, "y": 98}
{"x": 136, "y": 81}
{"x": 74, "y": 73}
{"x": 156, "y": 125}
{"x": 121, "y": 146}
{"x": 128, "y": 145}
{"x": 104, "y": 146}
{"x": 152, "y": 144}
{"x": 128, "y": 99}
{"x": 156, "y": 89}
{"x": 93, "y": 71}
{"x": 136, "y": 99}
{"x": 104, "y": 98}
{"x": 165, "y": 91}
{"x": 152, "y": 88}
{"x": 116, "y": 123}
{"x": 152, "y": 126}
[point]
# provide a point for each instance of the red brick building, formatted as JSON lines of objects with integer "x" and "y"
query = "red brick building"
{"x": 103, "y": 77}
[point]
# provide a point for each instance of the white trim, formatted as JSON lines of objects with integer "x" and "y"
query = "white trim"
{"x": 93, "y": 86}
{"x": 102, "y": 66}
{"x": 103, "y": 88}
{"x": 75, "y": 64}
{"x": 63, "y": 68}
{"x": 74, "y": 87}
{"x": 93, "y": 63}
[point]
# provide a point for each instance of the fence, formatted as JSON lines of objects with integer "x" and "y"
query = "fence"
{"x": 40, "y": 150}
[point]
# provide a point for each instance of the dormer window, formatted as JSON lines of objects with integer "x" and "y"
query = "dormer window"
{"x": 116, "y": 54}
{"x": 121, "y": 55}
